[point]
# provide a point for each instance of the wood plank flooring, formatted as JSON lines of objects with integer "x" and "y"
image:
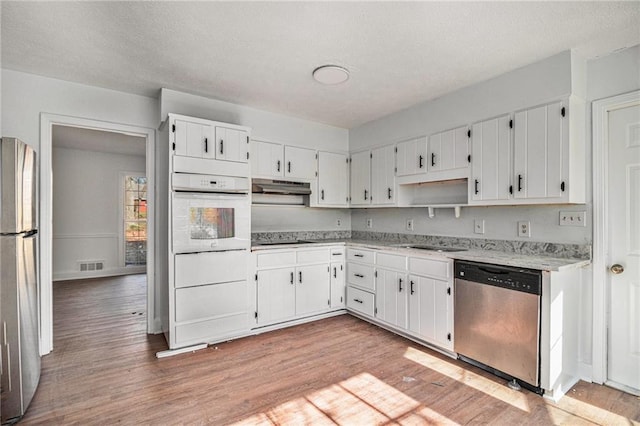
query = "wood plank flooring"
{"x": 336, "y": 371}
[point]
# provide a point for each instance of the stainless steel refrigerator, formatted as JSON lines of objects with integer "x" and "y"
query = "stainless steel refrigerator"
{"x": 19, "y": 327}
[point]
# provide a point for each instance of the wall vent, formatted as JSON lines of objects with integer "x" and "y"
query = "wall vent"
{"x": 90, "y": 265}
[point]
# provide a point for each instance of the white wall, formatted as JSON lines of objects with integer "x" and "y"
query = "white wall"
{"x": 264, "y": 125}
{"x": 87, "y": 196}
{"x": 298, "y": 218}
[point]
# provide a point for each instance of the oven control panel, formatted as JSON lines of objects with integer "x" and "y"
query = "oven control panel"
{"x": 209, "y": 183}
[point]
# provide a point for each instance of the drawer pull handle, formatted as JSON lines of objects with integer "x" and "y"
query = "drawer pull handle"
{"x": 335, "y": 272}
{"x": 336, "y": 254}
{"x": 358, "y": 300}
{"x": 206, "y": 145}
{"x": 420, "y": 159}
{"x": 400, "y": 285}
{"x": 292, "y": 278}
{"x": 358, "y": 255}
{"x": 359, "y": 275}
{"x": 412, "y": 287}
{"x": 221, "y": 146}
{"x": 300, "y": 277}
{"x": 278, "y": 165}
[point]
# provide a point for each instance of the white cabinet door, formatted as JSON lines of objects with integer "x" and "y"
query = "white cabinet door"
{"x": 231, "y": 145}
{"x": 300, "y": 163}
{"x": 540, "y": 152}
{"x": 411, "y": 157}
{"x": 490, "y": 160}
{"x": 338, "y": 286}
{"x": 267, "y": 159}
{"x": 449, "y": 150}
{"x": 391, "y": 297}
{"x": 333, "y": 179}
{"x": 383, "y": 175}
{"x": 312, "y": 289}
{"x": 276, "y": 295}
{"x": 431, "y": 310}
{"x": 361, "y": 178}
{"x": 194, "y": 139}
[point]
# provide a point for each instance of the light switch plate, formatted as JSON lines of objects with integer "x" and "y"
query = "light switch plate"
{"x": 478, "y": 226}
{"x": 524, "y": 228}
{"x": 369, "y": 223}
{"x": 409, "y": 224}
{"x": 573, "y": 218}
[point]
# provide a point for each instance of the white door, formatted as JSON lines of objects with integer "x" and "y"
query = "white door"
{"x": 361, "y": 178}
{"x": 383, "y": 175}
{"x": 422, "y": 313}
{"x": 266, "y": 159}
{"x": 448, "y": 150}
{"x": 194, "y": 139}
{"x": 300, "y": 163}
{"x": 391, "y": 297}
{"x": 312, "y": 289}
{"x": 333, "y": 179}
{"x": 624, "y": 246}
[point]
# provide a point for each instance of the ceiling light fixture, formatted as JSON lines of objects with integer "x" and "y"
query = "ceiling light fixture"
{"x": 331, "y": 74}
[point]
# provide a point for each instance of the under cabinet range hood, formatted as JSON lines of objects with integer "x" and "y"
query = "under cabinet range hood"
{"x": 281, "y": 192}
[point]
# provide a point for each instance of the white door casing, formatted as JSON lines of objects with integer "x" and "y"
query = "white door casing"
{"x": 616, "y": 165}
{"x": 47, "y": 121}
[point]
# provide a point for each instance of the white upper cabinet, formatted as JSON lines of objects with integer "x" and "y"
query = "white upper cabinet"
{"x": 383, "y": 175}
{"x": 267, "y": 159}
{"x": 490, "y": 161}
{"x": 194, "y": 139}
{"x": 361, "y": 178}
{"x": 449, "y": 151}
{"x": 333, "y": 179}
{"x": 411, "y": 157}
{"x": 541, "y": 164}
{"x": 300, "y": 163}
{"x": 231, "y": 145}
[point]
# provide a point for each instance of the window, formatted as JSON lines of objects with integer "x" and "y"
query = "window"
{"x": 135, "y": 220}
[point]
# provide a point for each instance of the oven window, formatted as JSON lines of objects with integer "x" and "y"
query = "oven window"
{"x": 210, "y": 223}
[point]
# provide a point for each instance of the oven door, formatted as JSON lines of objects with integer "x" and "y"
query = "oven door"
{"x": 210, "y": 222}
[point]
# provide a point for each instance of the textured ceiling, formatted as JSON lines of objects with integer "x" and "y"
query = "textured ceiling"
{"x": 261, "y": 54}
{"x": 97, "y": 140}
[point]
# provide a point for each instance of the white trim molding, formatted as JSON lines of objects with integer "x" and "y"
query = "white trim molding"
{"x": 47, "y": 121}
{"x": 600, "y": 114}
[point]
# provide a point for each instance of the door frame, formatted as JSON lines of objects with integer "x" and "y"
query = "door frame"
{"x": 47, "y": 121}
{"x": 600, "y": 163}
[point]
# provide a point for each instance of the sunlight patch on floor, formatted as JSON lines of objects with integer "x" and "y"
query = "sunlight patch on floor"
{"x": 591, "y": 413}
{"x": 362, "y": 399}
{"x": 473, "y": 380}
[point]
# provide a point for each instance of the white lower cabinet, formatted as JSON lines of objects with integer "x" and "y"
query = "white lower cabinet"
{"x": 391, "y": 297}
{"x": 298, "y": 283}
{"x": 413, "y": 295}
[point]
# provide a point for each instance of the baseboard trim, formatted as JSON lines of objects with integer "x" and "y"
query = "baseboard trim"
{"x": 111, "y": 272}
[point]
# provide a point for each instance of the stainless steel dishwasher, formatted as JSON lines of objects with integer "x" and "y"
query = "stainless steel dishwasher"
{"x": 497, "y": 320}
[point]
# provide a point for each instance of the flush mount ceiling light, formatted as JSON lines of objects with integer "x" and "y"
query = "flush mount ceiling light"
{"x": 331, "y": 74}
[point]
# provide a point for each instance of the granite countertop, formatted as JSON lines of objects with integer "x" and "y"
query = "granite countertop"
{"x": 496, "y": 257}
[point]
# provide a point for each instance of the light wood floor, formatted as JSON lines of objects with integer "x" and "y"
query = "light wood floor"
{"x": 340, "y": 370}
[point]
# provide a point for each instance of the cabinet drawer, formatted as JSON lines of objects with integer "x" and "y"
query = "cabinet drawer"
{"x": 361, "y": 275}
{"x": 392, "y": 261}
{"x": 313, "y": 256}
{"x": 210, "y": 268}
{"x": 337, "y": 254}
{"x": 209, "y": 301}
{"x": 431, "y": 267}
{"x": 363, "y": 256}
{"x": 360, "y": 301}
{"x": 267, "y": 260}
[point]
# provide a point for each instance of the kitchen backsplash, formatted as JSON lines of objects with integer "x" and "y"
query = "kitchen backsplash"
{"x": 567, "y": 251}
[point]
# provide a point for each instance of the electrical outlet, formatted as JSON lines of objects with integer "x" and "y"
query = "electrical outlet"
{"x": 338, "y": 222}
{"x": 524, "y": 228}
{"x": 409, "y": 224}
{"x": 573, "y": 218}
{"x": 369, "y": 223}
{"x": 479, "y": 226}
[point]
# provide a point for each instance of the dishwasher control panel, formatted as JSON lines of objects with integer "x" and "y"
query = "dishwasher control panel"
{"x": 519, "y": 279}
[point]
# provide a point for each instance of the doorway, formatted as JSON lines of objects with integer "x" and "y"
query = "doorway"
{"x": 102, "y": 220}
{"x": 616, "y": 164}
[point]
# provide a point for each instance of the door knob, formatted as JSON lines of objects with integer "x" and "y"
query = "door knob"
{"x": 616, "y": 269}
